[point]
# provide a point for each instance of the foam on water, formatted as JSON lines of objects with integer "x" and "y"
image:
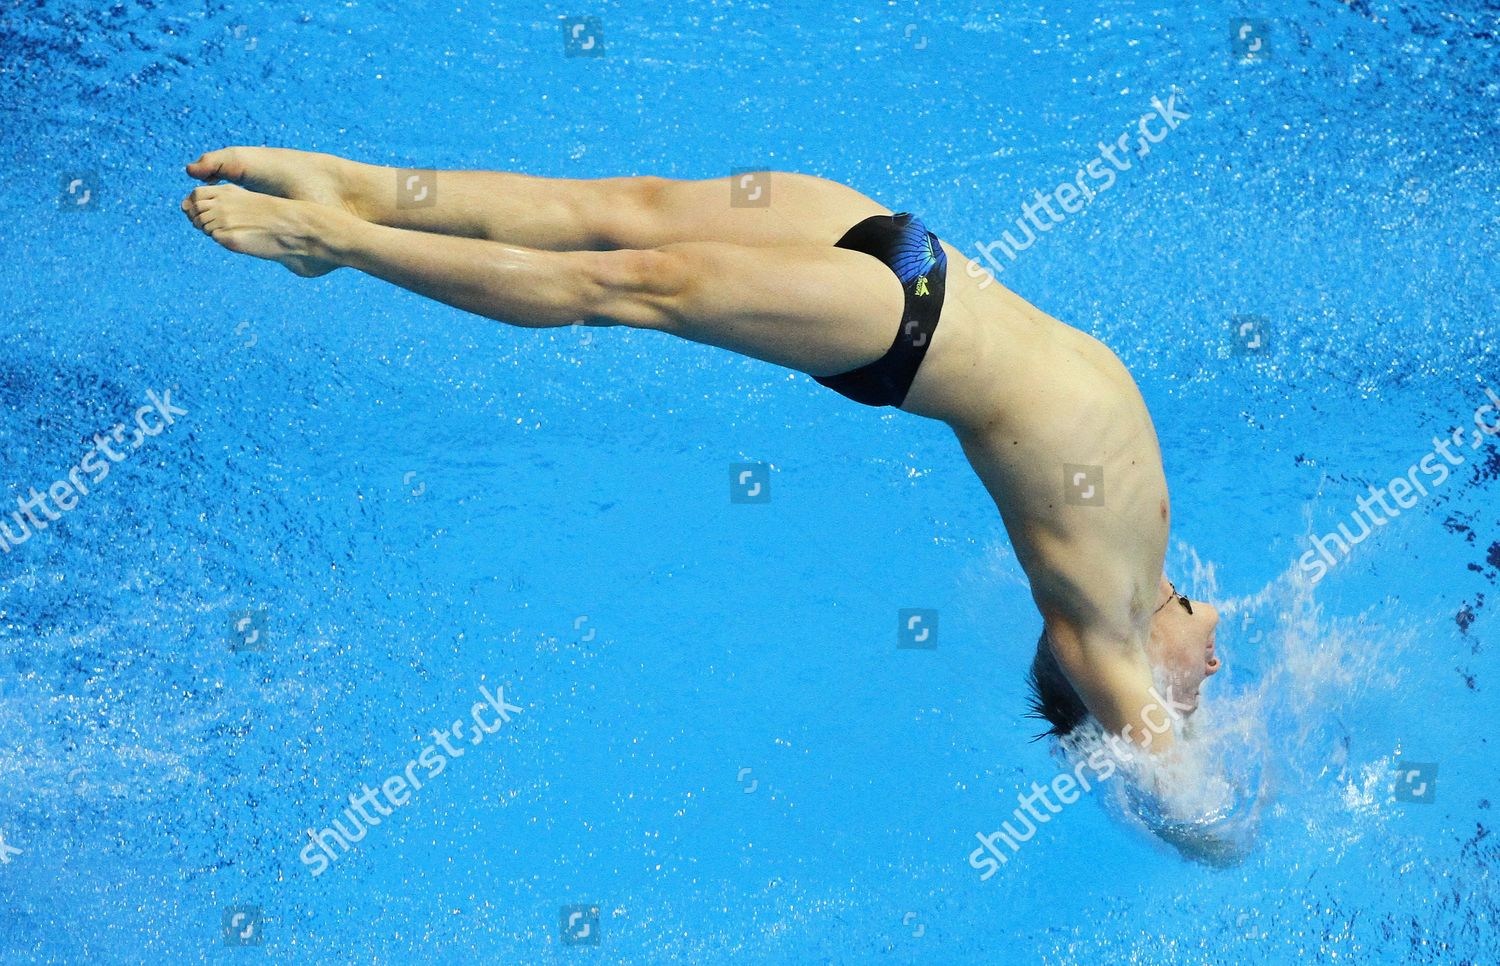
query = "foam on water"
{"x": 1270, "y": 731}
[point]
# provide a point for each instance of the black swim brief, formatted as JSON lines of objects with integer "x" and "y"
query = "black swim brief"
{"x": 905, "y": 245}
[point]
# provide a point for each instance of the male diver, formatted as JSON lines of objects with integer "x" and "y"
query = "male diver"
{"x": 818, "y": 278}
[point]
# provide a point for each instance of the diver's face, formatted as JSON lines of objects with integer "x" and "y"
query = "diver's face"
{"x": 1181, "y": 648}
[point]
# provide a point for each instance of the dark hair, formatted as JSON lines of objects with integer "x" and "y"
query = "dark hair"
{"x": 1053, "y": 698}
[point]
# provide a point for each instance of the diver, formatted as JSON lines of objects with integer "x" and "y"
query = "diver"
{"x": 812, "y": 275}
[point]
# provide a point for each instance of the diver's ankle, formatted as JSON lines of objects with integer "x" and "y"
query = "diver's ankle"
{"x": 331, "y": 235}
{"x": 367, "y": 190}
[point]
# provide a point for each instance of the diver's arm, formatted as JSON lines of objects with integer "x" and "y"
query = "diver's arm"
{"x": 1109, "y": 670}
{"x": 1095, "y": 588}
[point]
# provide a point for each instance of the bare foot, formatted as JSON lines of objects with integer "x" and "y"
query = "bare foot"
{"x": 262, "y": 225}
{"x": 298, "y": 175}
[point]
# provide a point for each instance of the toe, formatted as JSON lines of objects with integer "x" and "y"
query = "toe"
{"x": 227, "y": 164}
{"x": 206, "y": 168}
{"x": 200, "y": 210}
{"x": 208, "y": 198}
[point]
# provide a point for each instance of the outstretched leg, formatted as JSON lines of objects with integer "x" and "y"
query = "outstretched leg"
{"x": 558, "y": 214}
{"x": 811, "y": 307}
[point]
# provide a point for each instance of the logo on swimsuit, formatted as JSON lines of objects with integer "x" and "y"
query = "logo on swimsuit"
{"x": 416, "y": 188}
{"x": 916, "y": 629}
{"x": 921, "y": 285}
{"x": 1083, "y": 485}
{"x": 749, "y": 483}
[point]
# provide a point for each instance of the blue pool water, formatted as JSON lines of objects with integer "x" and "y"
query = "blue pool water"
{"x": 374, "y": 506}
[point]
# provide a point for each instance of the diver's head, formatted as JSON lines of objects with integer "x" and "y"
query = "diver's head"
{"x": 1181, "y": 646}
{"x": 1053, "y": 699}
{"x": 1180, "y": 649}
